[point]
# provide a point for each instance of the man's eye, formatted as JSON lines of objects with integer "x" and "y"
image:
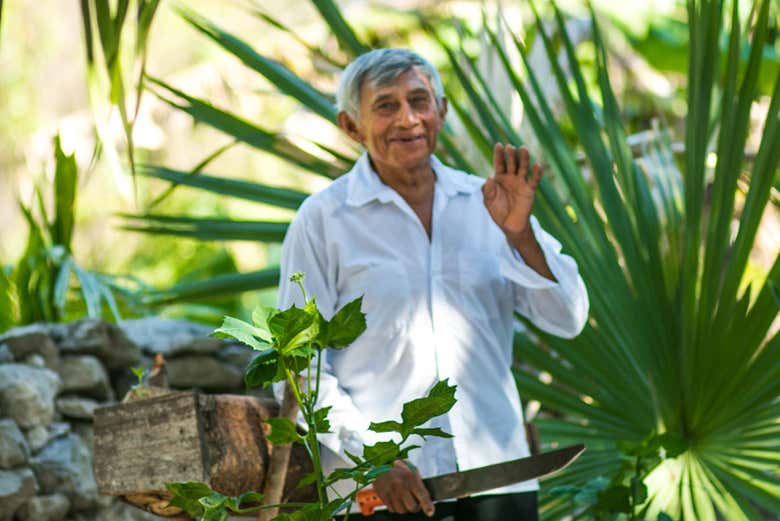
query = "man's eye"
{"x": 420, "y": 101}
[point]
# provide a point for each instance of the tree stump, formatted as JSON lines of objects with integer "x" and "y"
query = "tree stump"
{"x": 186, "y": 436}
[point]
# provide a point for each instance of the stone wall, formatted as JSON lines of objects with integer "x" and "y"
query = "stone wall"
{"x": 54, "y": 376}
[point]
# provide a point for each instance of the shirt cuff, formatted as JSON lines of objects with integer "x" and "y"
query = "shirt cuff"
{"x": 513, "y": 267}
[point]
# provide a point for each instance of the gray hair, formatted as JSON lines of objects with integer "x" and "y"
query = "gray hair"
{"x": 381, "y": 67}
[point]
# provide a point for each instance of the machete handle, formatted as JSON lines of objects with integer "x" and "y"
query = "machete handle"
{"x": 368, "y": 500}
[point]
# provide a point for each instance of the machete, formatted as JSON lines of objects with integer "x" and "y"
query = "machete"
{"x": 467, "y": 482}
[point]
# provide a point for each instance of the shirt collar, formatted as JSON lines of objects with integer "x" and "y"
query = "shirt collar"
{"x": 365, "y": 185}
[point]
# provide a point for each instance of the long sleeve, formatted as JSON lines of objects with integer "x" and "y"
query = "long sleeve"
{"x": 560, "y": 308}
{"x": 304, "y": 250}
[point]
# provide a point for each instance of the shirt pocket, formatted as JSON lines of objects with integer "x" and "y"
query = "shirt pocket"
{"x": 384, "y": 285}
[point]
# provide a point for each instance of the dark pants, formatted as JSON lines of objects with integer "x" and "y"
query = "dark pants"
{"x": 504, "y": 507}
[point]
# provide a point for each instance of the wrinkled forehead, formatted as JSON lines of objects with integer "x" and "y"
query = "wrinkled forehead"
{"x": 409, "y": 81}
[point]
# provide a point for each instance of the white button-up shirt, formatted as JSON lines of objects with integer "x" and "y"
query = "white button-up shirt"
{"x": 435, "y": 308}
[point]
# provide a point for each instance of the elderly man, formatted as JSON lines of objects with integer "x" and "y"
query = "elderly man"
{"x": 443, "y": 260}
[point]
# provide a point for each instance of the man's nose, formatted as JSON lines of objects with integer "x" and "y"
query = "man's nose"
{"x": 408, "y": 116}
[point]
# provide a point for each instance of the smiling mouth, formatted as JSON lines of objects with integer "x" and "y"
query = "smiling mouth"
{"x": 409, "y": 139}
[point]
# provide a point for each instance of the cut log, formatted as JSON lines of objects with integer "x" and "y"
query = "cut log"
{"x": 187, "y": 436}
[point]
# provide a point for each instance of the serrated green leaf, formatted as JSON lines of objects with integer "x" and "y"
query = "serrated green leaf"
{"x": 189, "y": 489}
{"x": 377, "y": 471}
{"x": 321, "y": 422}
{"x": 283, "y": 431}
{"x": 432, "y": 432}
{"x": 356, "y": 460}
{"x": 234, "y": 503}
{"x": 344, "y": 473}
{"x": 190, "y": 506}
{"x": 295, "y": 363}
{"x": 404, "y": 452}
{"x": 261, "y": 315}
{"x": 303, "y": 351}
{"x": 344, "y": 327}
{"x": 307, "y": 480}
{"x": 386, "y": 426}
{"x": 212, "y": 500}
{"x": 381, "y": 453}
{"x": 263, "y": 370}
{"x": 215, "y": 514}
{"x": 186, "y": 496}
{"x": 294, "y": 327}
{"x": 439, "y": 400}
{"x": 311, "y": 512}
{"x": 244, "y": 332}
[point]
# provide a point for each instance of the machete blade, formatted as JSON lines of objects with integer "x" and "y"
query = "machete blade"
{"x": 467, "y": 482}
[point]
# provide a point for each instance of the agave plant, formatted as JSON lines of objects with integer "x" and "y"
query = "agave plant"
{"x": 677, "y": 350}
{"x": 47, "y": 283}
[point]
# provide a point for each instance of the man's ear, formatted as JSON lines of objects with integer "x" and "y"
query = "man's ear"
{"x": 442, "y": 111}
{"x": 348, "y": 125}
{"x": 443, "y": 108}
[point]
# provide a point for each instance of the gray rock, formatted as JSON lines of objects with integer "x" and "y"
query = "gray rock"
{"x": 99, "y": 338}
{"x": 85, "y": 375}
{"x": 27, "y": 394}
{"x": 119, "y": 511}
{"x": 16, "y": 487}
{"x": 76, "y": 407}
{"x": 203, "y": 372}
{"x": 6, "y": 356}
{"x": 85, "y": 431}
{"x": 65, "y": 466}
{"x": 44, "y": 508}
{"x": 35, "y": 360}
{"x": 238, "y": 356}
{"x": 14, "y": 450}
{"x": 170, "y": 337}
{"x": 38, "y": 437}
{"x": 32, "y": 339}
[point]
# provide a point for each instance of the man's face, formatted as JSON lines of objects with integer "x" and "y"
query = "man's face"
{"x": 399, "y": 122}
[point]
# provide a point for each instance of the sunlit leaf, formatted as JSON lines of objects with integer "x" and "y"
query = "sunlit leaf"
{"x": 344, "y": 327}
{"x": 283, "y": 431}
{"x": 244, "y": 332}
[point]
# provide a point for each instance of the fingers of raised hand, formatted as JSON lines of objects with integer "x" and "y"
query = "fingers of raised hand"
{"x": 536, "y": 175}
{"x": 499, "y": 163}
{"x": 489, "y": 188}
{"x": 508, "y": 159}
{"x": 522, "y": 169}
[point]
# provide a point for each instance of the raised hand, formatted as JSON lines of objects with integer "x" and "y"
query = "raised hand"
{"x": 509, "y": 193}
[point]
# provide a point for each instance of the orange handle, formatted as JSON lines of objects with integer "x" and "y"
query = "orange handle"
{"x": 368, "y": 500}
